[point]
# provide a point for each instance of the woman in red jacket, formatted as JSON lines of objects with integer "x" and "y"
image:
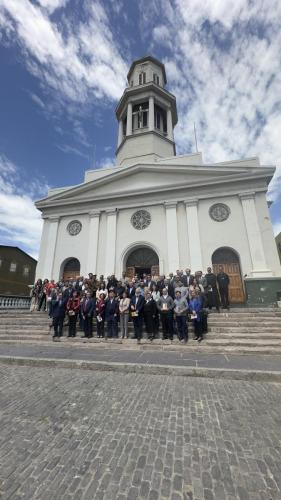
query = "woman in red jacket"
{"x": 72, "y": 307}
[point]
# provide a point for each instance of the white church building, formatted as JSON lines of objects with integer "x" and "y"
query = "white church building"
{"x": 157, "y": 212}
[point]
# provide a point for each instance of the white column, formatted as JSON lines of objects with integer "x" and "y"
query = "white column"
{"x": 254, "y": 236}
{"x": 172, "y": 236}
{"x": 129, "y": 129}
{"x": 43, "y": 250}
{"x": 51, "y": 248}
{"x": 93, "y": 241}
{"x": 170, "y": 133}
{"x": 193, "y": 235}
{"x": 151, "y": 113}
{"x": 120, "y": 132}
{"x": 110, "y": 250}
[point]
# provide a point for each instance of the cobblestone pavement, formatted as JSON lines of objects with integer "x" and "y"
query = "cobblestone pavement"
{"x": 74, "y": 434}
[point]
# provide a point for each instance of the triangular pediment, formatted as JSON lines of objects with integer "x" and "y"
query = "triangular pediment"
{"x": 149, "y": 178}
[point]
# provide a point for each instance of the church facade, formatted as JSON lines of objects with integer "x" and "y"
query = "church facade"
{"x": 156, "y": 212}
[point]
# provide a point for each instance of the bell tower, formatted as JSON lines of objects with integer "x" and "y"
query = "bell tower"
{"x": 146, "y": 114}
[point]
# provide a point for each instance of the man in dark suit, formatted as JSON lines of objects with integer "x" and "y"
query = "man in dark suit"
{"x": 187, "y": 278}
{"x": 88, "y": 307}
{"x": 212, "y": 290}
{"x": 149, "y": 314}
{"x": 111, "y": 313}
{"x": 170, "y": 287}
{"x": 68, "y": 292}
{"x": 223, "y": 282}
{"x": 58, "y": 314}
{"x": 131, "y": 290}
{"x": 160, "y": 284}
{"x": 137, "y": 304}
{"x": 112, "y": 282}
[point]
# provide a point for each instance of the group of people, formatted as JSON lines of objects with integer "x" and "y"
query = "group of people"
{"x": 147, "y": 301}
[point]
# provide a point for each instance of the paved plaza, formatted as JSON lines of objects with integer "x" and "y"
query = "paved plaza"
{"x": 78, "y": 434}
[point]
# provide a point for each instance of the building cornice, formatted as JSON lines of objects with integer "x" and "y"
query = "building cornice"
{"x": 216, "y": 197}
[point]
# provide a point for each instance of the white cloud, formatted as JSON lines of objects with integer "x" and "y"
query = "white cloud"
{"x": 37, "y": 100}
{"x": 78, "y": 59}
{"x": 224, "y": 69}
{"x": 52, "y": 5}
{"x": 107, "y": 162}
{"x": 276, "y": 227}
{"x": 21, "y": 222}
{"x": 65, "y": 148}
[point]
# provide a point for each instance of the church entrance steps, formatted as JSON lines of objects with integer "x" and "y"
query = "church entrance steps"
{"x": 244, "y": 329}
{"x": 240, "y": 330}
{"x": 118, "y": 346}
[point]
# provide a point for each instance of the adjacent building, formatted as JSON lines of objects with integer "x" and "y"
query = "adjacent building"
{"x": 157, "y": 212}
{"x": 17, "y": 271}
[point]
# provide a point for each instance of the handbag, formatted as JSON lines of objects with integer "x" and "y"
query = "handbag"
{"x": 135, "y": 314}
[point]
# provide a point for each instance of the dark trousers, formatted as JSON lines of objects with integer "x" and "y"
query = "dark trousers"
{"x": 204, "y": 322}
{"x": 41, "y": 302}
{"x": 112, "y": 327}
{"x": 198, "y": 332}
{"x": 72, "y": 325}
{"x": 150, "y": 326}
{"x": 224, "y": 297}
{"x": 100, "y": 328}
{"x": 214, "y": 299}
{"x": 182, "y": 327}
{"x": 58, "y": 326}
{"x": 88, "y": 326}
{"x": 138, "y": 322}
{"x": 167, "y": 325}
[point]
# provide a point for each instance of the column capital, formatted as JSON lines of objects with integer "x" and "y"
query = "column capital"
{"x": 94, "y": 213}
{"x": 53, "y": 218}
{"x": 170, "y": 204}
{"x": 248, "y": 195}
{"x": 193, "y": 202}
{"x": 111, "y": 211}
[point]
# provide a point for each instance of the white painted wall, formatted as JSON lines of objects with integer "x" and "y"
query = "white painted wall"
{"x": 155, "y": 235}
{"x": 72, "y": 246}
{"x": 230, "y": 233}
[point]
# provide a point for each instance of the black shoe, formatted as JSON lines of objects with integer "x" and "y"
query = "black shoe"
{"x": 200, "y": 339}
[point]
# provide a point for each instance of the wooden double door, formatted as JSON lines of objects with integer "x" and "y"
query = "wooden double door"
{"x": 142, "y": 260}
{"x": 131, "y": 271}
{"x": 229, "y": 260}
{"x": 71, "y": 270}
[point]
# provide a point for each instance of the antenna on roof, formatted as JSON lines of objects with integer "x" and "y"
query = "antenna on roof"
{"x": 94, "y": 156}
{"x": 195, "y": 137}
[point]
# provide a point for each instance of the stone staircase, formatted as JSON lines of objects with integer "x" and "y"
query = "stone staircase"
{"x": 240, "y": 330}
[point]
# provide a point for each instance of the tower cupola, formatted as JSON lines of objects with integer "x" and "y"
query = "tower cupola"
{"x": 146, "y": 114}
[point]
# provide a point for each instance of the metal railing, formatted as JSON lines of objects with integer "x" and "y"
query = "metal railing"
{"x": 14, "y": 302}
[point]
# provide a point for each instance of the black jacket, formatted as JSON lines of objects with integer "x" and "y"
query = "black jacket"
{"x": 223, "y": 280}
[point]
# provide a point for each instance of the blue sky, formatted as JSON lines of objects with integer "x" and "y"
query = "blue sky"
{"x": 63, "y": 69}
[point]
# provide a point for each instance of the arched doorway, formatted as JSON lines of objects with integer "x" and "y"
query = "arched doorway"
{"x": 229, "y": 260}
{"x": 71, "y": 269}
{"x": 141, "y": 261}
